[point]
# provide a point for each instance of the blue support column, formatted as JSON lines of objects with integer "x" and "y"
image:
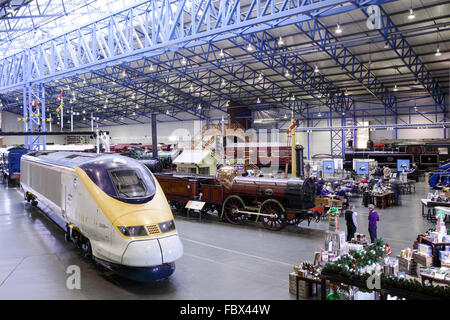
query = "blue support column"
{"x": 34, "y": 116}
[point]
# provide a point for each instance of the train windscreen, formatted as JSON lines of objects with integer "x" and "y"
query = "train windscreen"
{"x": 126, "y": 180}
{"x": 128, "y": 183}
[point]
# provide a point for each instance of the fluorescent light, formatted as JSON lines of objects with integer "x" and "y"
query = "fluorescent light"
{"x": 438, "y": 52}
{"x": 411, "y": 14}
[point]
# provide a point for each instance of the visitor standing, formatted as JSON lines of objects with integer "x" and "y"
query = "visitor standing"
{"x": 352, "y": 224}
{"x": 373, "y": 219}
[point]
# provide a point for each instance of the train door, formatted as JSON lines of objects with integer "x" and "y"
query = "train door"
{"x": 70, "y": 197}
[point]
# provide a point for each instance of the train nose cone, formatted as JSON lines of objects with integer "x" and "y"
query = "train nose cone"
{"x": 152, "y": 252}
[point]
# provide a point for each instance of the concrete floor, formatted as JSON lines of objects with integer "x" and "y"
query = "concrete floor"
{"x": 221, "y": 261}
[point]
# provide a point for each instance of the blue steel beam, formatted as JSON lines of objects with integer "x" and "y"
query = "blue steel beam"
{"x": 246, "y": 76}
{"x": 412, "y": 61}
{"x": 344, "y": 58}
{"x": 300, "y": 73}
{"x": 165, "y": 25}
{"x": 101, "y": 81}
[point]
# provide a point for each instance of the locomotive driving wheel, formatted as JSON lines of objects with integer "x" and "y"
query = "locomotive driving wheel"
{"x": 274, "y": 217}
{"x": 231, "y": 208}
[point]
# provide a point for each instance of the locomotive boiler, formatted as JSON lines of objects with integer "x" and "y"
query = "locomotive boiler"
{"x": 111, "y": 206}
{"x": 275, "y": 202}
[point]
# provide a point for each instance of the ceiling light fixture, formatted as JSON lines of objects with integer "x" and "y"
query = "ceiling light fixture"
{"x": 287, "y": 74}
{"x": 438, "y": 52}
{"x": 183, "y": 61}
{"x": 260, "y": 77}
{"x": 280, "y": 41}
{"x": 258, "y": 101}
{"x": 346, "y": 92}
{"x": 338, "y": 29}
{"x": 151, "y": 68}
{"x": 395, "y": 87}
{"x": 386, "y": 45}
{"x": 316, "y": 69}
{"x": 221, "y": 54}
{"x": 411, "y": 14}
{"x": 249, "y": 47}
{"x": 9, "y": 10}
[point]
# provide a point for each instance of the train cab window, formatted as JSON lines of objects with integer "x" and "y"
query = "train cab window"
{"x": 126, "y": 180}
{"x": 128, "y": 183}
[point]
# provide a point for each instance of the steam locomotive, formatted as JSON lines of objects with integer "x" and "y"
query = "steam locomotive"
{"x": 276, "y": 202}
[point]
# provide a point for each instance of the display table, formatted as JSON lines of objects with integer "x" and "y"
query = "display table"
{"x": 308, "y": 280}
{"x": 435, "y": 248}
{"x": 407, "y": 187}
{"x": 382, "y": 293}
{"x": 433, "y": 280}
{"x": 445, "y": 210}
{"x": 384, "y": 200}
{"x": 431, "y": 206}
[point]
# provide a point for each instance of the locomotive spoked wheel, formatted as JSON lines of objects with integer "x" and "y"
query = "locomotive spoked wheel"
{"x": 294, "y": 222}
{"x": 231, "y": 209}
{"x": 276, "y": 216}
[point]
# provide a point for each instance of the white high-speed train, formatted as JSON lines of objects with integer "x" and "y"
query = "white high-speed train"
{"x": 109, "y": 205}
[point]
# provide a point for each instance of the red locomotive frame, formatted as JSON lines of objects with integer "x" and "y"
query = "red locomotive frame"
{"x": 276, "y": 202}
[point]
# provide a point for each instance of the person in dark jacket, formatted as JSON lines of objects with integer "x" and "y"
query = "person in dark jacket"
{"x": 373, "y": 219}
{"x": 352, "y": 224}
{"x": 341, "y": 193}
{"x": 395, "y": 186}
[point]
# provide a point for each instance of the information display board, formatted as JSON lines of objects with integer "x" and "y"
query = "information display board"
{"x": 328, "y": 166}
{"x": 402, "y": 164}
{"x": 362, "y": 168}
